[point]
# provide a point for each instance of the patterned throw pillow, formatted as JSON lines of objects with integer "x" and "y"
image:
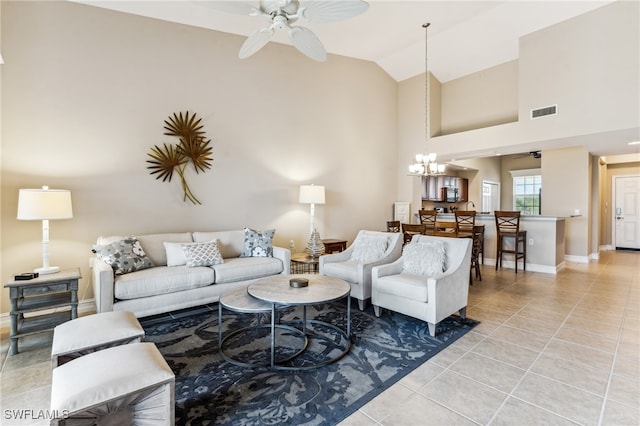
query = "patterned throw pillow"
{"x": 369, "y": 248}
{"x": 202, "y": 254}
{"x": 124, "y": 256}
{"x": 424, "y": 258}
{"x": 258, "y": 243}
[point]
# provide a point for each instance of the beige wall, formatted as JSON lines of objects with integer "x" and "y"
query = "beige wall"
{"x": 482, "y": 99}
{"x": 85, "y": 92}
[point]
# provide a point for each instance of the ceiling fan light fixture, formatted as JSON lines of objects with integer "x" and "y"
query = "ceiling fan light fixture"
{"x": 282, "y": 13}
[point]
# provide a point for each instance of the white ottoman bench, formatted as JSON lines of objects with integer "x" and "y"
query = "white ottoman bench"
{"x": 91, "y": 333}
{"x": 123, "y": 385}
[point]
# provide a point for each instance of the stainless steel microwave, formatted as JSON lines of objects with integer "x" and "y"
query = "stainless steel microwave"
{"x": 450, "y": 194}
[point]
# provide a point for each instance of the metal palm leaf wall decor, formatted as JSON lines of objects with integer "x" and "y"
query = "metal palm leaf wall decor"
{"x": 193, "y": 148}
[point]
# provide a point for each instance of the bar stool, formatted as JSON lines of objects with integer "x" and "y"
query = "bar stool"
{"x": 428, "y": 218}
{"x": 465, "y": 221}
{"x": 508, "y": 227}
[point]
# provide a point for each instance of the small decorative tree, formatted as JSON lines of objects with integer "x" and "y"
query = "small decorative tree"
{"x": 193, "y": 147}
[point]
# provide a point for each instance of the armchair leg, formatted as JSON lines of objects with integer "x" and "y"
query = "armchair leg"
{"x": 377, "y": 310}
{"x": 432, "y": 329}
{"x": 362, "y": 304}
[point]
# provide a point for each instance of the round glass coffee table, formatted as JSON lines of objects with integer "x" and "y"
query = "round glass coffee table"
{"x": 275, "y": 292}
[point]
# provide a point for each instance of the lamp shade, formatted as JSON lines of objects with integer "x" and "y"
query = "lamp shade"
{"x": 44, "y": 204}
{"x": 311, "y": 194}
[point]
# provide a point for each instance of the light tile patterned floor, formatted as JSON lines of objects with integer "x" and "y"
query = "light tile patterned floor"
{"x": 551, "y": 350}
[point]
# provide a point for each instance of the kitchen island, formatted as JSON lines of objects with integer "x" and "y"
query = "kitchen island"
{"x": 545, "y": 241}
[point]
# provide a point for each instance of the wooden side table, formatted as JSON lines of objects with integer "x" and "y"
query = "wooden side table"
{"x": 302, "y": 263}
{"x": 332, "y": 245}
{"x": 43, "y": 293}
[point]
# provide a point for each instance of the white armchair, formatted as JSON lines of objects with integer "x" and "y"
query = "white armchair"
{"x": 369, "y": 249}
{"x": 430, "y": 281}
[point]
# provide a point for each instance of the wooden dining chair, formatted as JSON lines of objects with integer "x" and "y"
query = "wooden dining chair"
{"x": 465, "y": 221}
{"x": 428, "y": 218}
{"x": 410, "y": 229}
{"x": 393, "y": 226}
{"x": 507, "y": 229}
{"x": 446, "y": 229}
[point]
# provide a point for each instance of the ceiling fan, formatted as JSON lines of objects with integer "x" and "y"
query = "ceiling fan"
{"x": 282, "y": 13}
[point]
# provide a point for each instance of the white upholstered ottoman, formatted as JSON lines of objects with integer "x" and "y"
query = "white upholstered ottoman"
{"x": 123, "y": 385}
{"x": 91, "y": 333}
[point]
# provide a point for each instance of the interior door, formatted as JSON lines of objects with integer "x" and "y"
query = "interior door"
{"x": 490, "y": 196}
{"x": 626, "y": 213}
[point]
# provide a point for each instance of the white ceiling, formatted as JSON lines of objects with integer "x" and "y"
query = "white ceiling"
{"x": 464, "y": 36}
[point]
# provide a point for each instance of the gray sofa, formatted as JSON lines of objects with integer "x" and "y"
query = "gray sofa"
{"x": 163, "y": 288}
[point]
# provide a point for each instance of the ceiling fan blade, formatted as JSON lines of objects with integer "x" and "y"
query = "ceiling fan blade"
{"x": 306, "y": 41}
{"x": 321, "y": 11}
{"x": 236, "y": 7}
{"x": 255, "y": 42}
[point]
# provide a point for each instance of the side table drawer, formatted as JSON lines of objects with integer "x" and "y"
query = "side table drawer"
{"x": 51, "y": 288}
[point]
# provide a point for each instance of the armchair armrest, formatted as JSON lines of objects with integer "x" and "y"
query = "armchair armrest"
{"x": 393, "y": 268}
{"x": 342, "y": 256}
{"x": 284, "y": 254}
{"x": 103, "y": 280}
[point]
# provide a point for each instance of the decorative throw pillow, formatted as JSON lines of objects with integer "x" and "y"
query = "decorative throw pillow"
{"x": 369, "y": 248}
{"x": 258, "y": 243}
{"x": 202, "y": 254}
{"x": 175, "y": 254}
{"x": 124, "y": 256}
{"x": 424, "y": 258}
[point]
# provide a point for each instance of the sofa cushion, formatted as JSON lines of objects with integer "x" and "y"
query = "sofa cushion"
{"x": 258, "y": 243}
{"x": 347, "y": 271}
{"x": 230, "y": 243}
{"x": 161, "y": 280}
{"x": 424, "y": 258}
{"x": 153, "y": 244}
{"x": 246, "y": 268}
{"x": 124, "y": 255}
{"x": 202, "y": 254}
{"x": 413, "y": 287}
{"x": 369, "y": 248}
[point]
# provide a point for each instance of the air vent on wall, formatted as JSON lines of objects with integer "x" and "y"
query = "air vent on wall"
{"x": 544, "y": 111}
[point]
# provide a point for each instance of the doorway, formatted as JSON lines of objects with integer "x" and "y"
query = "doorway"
{"x": 626, "y": 212}
{"x": 490, "y": 196}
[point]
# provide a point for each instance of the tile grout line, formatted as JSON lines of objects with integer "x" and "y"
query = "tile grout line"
{"x": 615, "y": 357}
{"x": 538, "y": 356}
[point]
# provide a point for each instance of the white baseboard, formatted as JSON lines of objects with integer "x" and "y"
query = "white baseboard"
{"x": 576, "y": 259}
{"x": 85, "y": 307}
{"x": 607, "y": 247}
{"x": 531, "y": 267}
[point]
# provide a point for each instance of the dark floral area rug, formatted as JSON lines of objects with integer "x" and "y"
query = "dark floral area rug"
{"x": 210, "y": 390}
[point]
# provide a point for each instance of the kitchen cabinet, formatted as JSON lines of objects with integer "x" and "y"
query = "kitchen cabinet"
{"x": 433, "y": 187}
{"x": 463, "y": 189}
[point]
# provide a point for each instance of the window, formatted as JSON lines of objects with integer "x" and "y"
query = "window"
{"x": 527, "y": 190}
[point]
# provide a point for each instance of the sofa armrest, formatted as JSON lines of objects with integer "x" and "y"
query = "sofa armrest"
{"x": 103, "y": 281}
{"x": 284, "y": 254}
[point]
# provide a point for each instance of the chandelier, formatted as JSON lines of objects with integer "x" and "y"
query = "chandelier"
{"x": 426, "y": 163}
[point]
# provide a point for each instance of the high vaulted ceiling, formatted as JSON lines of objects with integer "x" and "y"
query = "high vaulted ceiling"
{"x": 464, "y": 36}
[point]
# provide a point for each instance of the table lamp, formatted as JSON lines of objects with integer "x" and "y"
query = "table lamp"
{"x": 313, "y": 194}
{"x": 44, "y": 204}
